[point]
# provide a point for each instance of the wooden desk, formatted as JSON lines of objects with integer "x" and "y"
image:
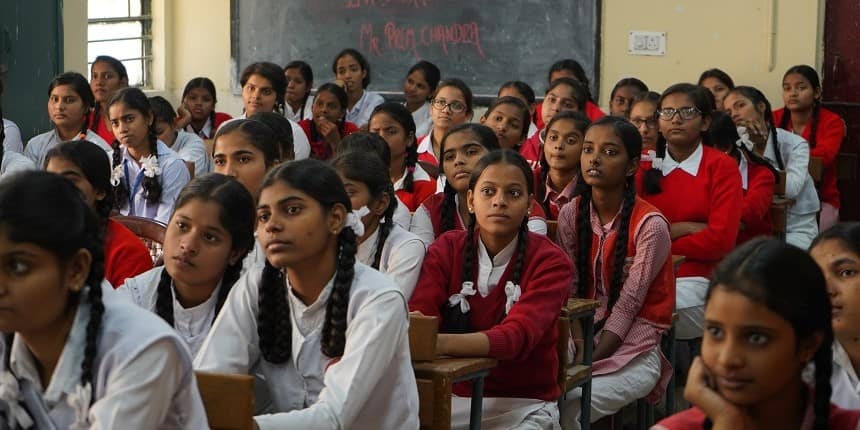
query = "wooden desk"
{"x": 579, "y": 374}
{"x": 439, "y": 376}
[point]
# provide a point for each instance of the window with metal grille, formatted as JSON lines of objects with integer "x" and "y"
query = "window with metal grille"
{"x": 123, "y": 30}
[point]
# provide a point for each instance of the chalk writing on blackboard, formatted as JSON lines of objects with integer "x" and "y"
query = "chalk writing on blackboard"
{"x": 407, "y": 38}
{"x": 358, "y": 4}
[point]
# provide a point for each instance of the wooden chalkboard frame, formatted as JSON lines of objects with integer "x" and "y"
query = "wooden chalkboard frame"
{"x": 479, "y": 98}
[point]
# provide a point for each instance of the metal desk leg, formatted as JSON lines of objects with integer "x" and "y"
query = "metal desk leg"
{"x": 670, "y": 395}
{"x": 585, "y": 403}
{"x": 477, "y": 403}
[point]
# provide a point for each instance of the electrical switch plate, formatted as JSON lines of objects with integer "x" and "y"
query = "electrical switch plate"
{"x": 646, "y": 43}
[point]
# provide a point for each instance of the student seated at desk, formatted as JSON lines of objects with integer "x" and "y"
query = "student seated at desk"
{"x": 498, "y": 290}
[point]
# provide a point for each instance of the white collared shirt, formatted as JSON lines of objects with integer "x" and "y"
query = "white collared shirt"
{"x": 401, "y": 258}
{"x": 743, "y": 166}
{"x": 844, "y": 380}
{"x": 15, "y": 162}
{"x": 206, "y": 131}
{"x": 425, "y": 144}
{"x": 297, "y": 116}
{"x": 371, "y": 386}
{"x": 38, "y": 147}
{"x": 301, "y": 145}
{"x": 192, "y": 324}
{"x": 798, "y": 183}
{"x": 190, "y": 147}
{"x": 490, "y": 270}
{"x": 142, "y": 371}
{"x": 690, "y": 165}
{"x": 174, "y": 175}
{"x": 423, "y": 122}
{"x": 12, "y": 141}
{"x": 360, "y": 112}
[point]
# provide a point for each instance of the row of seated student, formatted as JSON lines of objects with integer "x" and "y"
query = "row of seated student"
{"x": 485, "y": 217}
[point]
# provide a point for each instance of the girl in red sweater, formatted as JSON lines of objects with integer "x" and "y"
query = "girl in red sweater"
{"x": 564, "y": 94}
{"x": 768, "y": 317}
{"x": 757, "y": 177}
{"x": 823, "y": 129}
{"x": 85, "y": 164}
{"x": 558, "y": 173}
{"x": 199, "y": 99}
{"x": 643, "y": 114}
{"x": 393, "y": 122}
{"x": 107, "y": 76}
{"x": 570, "y": 68}
{"x": 450, "y": 106}
{"x": 628, "y": 269}
{"x": 329, "y": 125}
{"x": 498, "y": 291}
{"x": 509, "y": 118}
{"x": 698, "y": 189}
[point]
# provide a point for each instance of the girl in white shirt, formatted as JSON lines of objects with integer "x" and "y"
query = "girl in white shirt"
{"x": 837, "y": 252}
{"x": 328, "y": 334}
{"x": 353, "y": 72}
{"x": 420, "y": 84}
{"x": 385, "y": 246}
{"x": 210, "y": 232}
{"x": 147, "y": 176}
{"x": 188, "y": 146}
{"x": 785, "y": 151}
{"x": 70, "y": 101}
{"x": 79, "y": 356}
{"x": 11, "y": 161}
{"x": 300, "y": 80}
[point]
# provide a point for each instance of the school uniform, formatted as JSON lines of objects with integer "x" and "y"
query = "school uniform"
{"x": 532, "y": 130}
{"x": 592, "y": 111}
{"x": 757, "y": 182}
{"x": 402, "y": 255}
{"x": 423, "y": 121}
{"x": 427, "y": 219}
{"x": 402, "y": 215}
{"x": 190, "y": 147}
{"x": 642, "y": 313}
{"x": 844, "y": 381}
{"x": 704, "y": 188}
{"x": 15, "y": 162}
{"x": 125, "y": 254}
{"x": 521, "y": 326}
{"x": 828, "y": 140}
{"x": 298, "y": 115}
{"x": 423, "y": 186}
{"x": 38, "y": 147}
{"x": 555, "y": 200}
{"x": 173, "y": 177}
{"x": 801, "y": 225}
{"x": 371, "y": 386}
{"x": 209, "y": 128}
{"x": 694, "y": 419}
{"x": 531, "y": 148}
{"x": 102, "y": 128}
{"x": 142, "y": 372}
{"x": 360, "y": 112}
{"x": 425, "y": 149}
{"x": 320, "y": 148}
{"x": 191, "y": 324}
{"x": 12, "y": 141}
{"x": 301, "y": 146}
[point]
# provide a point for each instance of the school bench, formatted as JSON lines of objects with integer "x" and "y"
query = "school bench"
{"x": 572, "y": 375}
{"x": 228, "y": 400}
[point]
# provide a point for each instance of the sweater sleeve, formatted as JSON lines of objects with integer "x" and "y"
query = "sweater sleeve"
{"x": 566, "y": 238}
{"x": 759, "y": 195}
{"x": 828, "y": 138}
{"x": 536, "y": 311}
{"x": 796, "y": 158}
{"x": 127, "y": 260}
{"x": 431, "y": 292}
{"x": 721, "y": 233}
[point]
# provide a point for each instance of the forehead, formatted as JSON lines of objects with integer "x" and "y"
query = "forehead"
{"x": 102, "y": 67}
{"x": 280, "y": 190}
{"x": 450, "y": 93}
{"x": 734, "y": 97}
{"x": 294, "y": 73}
{"x": 383, "y": 119}
{"x": 460, "y": 140}
{"x": 418, "y": 75}
{"x": 233, "y": 142}
{"x": 326, "y": 96}
{"x": 119, "y": 109}
{"x": 347, "y": 61}
{"x": 259, "y": 81}
{"x": 61, "y": 164}
{"x": 503, "y": 174}
{"x": 712, "y": 81}
{"x": 562, "y": 126}
{"x": 795, "y": 78}
{"x": 832, "y": 249}
{"x": 676, "y": 100}
{"x": 65, "y": 90}
{"x": 733, "y": 308}
{"x": 643, "y": 108}
{"x": 507, "y": 109}
{"x": 561, "y": 90}
{"x": 603, "y": 134}
{"x": 201, "y": 211}
{"x": 511, "y": 92}
{"x": 199, "y": 92}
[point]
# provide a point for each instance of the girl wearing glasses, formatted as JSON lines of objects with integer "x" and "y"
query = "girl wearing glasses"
{"x": 698, "y": 189}
{"x": 450, "y": 106}
{"x": 643, "y": 115}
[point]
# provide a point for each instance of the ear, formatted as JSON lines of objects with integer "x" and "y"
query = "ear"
{"x": 469, "y": 116}
{"x": 632, "y": 166}
{"x": 483, "y": 119}
{"x": 470, "y": 201}
{"x": 380, "y": 205}
{"x": 150, "y": 120}
{"x": 706, "y": 123}
{"x": 235, "y": 255}
{"x": 807, "y": 347}
{"x": 100, "y": 195}
{"x": 817, "y": 94}
{"x": 78, "y": 268}
{"x": 336, "y": 218}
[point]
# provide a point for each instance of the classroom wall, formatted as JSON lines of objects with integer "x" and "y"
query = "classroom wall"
{"x": 731, "y": 34}
{"x": 74, "y": 35}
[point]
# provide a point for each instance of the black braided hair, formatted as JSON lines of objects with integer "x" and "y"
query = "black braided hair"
{"x": 308, "y": 75}
{"x": 209, "y": 86}
{"x": 790, "y": 284}
{"x": 400, "y": 114}
{"x": 134, "y": 98}
{"x": 701, "y": 99}
{"x": 283, "y": 130}
{"x": 81, "y": 87}
{"x": 811, "y": 76}
{"x": 272, "y": 73}
{"x": 757, "y": 98}
{"x": 27, "y": 215}
{"x": 583, "y": 238}
{"x": 121, "y": 72}
{"x": 320, "y": 182}
{"x": 487, "y": 138}
{"x": 2, "y": 128}
{"x": 164, "y": 297}
{"x": 367, "y": 168}
{"x": 454, "y": 320}
{"x": 581, "y": 123}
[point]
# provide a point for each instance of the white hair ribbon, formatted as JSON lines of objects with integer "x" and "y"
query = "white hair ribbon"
{"x": 460, "y": 298}
{"x": 10, "y": 395}
{"x": 353, "y": 220}
{"x": 116, "y": 175}
{"x": 744, "y": 140}
{"x": 150, "y": 166}
{"x": 656, "y": 163}
{"x": 79, "y": 401}
{"x": 512, "y": 292}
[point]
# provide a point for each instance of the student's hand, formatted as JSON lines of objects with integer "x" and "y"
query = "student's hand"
{"x": 340, "y": 83}
{"x": 328, "y": 130}
{"x": 183, "y": 117}
{"x": 681, "y": 229}
{"x": 757, "y": 130}
{"x": 700, "y": 391}
{"x": 416, "y": 313}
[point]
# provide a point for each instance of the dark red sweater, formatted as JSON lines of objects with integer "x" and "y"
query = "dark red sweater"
{"x": 694, "y": 419}
{"x": 525, "y": 340}
{"x": 758, "y": 196}
{"x": 714, "y": 196}
{"x": 125, "y": 254}
{"x": 320, "y": 149}
{"x": 434, "y": 206}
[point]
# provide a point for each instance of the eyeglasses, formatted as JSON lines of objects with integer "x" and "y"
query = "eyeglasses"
{"x": 647, "y": 122}
{"x": 687, "y": 112}
{"x": 456, "y": 107}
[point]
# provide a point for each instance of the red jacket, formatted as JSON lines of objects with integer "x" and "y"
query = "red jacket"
{"x": 828, "y": 140}
{"x": 525, "y": 340}
{"x": 755, "y": 213}
{"x": 125, "y": 254}
{"x": 714, "y": 196}
{"x": 434, "y": 206}
{"x": 320, "y": 149}
{"x": 102, "y": 128}
{"x": 694, "y": 419}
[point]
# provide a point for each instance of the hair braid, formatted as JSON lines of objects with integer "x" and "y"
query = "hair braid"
{"x": 454, "y": 320}
{"x": 97, "y": 307}
{"x": 152, "y": 186}
{"x": 620, "y": 255}
{"x": 120, "y": 190}
{"x": 583, "y": 247}
{"x": 212, "y": 122}
{"x": 651, "y": 179}
{"x": 816, "y": 112}
{"x": 385, "y": 226}
{"x": 541, "y": 187}
{"x": 779, "y": 163}
{"x": 273, "y": 321}
{"x": 823, "y": 361}
{"x": 334, "y": 327}
{"x": 164, "y": 297}
{"x": 449, "y": 209}
{"x": 411, "y": 161}
{"x": 231, "y": 275}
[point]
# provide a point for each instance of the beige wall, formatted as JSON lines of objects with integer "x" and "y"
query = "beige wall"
{"x": 193, "y": 39}
{"x": 75, "y": 36}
